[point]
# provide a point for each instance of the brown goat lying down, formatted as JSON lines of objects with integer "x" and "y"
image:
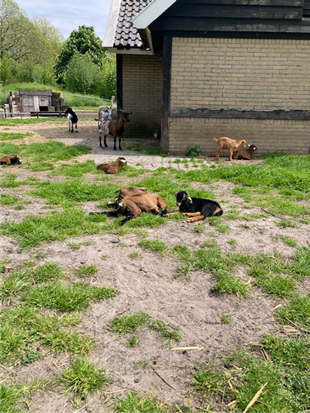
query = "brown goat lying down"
{"x": 245, "y": 153}
{"x": 113, "y": 167}
{"x": 133, "y": 206}
{"x": 132, "y": 201}
{"x": 10, "y": 160}
{"x": 226, "y": 143}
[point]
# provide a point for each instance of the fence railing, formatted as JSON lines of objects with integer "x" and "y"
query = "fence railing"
{"x": 82, "y": 114}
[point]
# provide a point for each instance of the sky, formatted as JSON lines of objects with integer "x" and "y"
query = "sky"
{"x": 67, "y": 16}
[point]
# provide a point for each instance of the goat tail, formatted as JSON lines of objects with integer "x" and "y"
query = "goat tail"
{"x": 214, "y": 139}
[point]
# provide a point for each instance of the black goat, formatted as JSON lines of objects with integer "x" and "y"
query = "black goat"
{"x": 72, "y": 119}
{"x": 196, "y": 208}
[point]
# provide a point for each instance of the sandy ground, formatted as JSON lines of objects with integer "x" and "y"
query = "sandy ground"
{"x": 148, "y": 283}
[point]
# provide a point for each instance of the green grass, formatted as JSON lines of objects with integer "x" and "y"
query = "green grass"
{"x": 9, "y": 199}
{"x": 77, "y": 170}
{"x": 154, "y": 246}
{"x": 66, "y": 297}
{"x": 135, "y": 322}
{"x": 71, "y": 192}
{"x": 129, "y": 323}
{"x": 34, "y": 230}
{"x": 139, "y": 404}
{"x": 86, "y": 271}
{"x": 23, "y": 327}
{"x": 83, "y": 378}
{"x": 9, "y": 136}
{"x": 10, "y": 399}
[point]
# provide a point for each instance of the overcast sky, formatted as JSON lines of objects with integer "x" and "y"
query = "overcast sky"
{"x": 67, "y": 16}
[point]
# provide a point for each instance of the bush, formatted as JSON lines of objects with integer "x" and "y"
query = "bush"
{"x": 82, "y": 75}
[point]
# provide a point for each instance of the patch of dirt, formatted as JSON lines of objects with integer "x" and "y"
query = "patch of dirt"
{"x": 148, "y": 283}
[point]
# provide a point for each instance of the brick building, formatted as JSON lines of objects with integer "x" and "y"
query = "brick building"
{"x": 204, "y": 68}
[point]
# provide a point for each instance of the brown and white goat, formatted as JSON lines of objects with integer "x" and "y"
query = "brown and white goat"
{"x": 245, "y": 153}
{"x": 10, "y": 160}
{"x": 113, "y": 167}
{"x": 115, "y": 128}
{"x": 226, "y": 143}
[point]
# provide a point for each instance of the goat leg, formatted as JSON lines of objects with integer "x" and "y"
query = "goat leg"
{"x": 105, "y": 141}
{"x": 125, "y": 220}
{"x": 120, "y": 143}
{"x": 197, "y": 218}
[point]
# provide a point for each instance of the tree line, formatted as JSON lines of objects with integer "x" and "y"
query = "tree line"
{"x": 32, "y": 50}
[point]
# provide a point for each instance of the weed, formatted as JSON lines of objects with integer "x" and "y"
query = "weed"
{"x": 210, "y": 382}
{"x": 141, "y": 364}
{"x": 198, "y": 228}
{"x": 129, "y": 323}
{"x": 30, "y": 355}
{"x": 86, "y": 271}
{"x": 134, "y": 255}
{"x": 154, "y": 246}
{"x": 132, "y": 342}
{"x": 139, "y": 404}
{"x": 289, "y": 241}
{"x": 167, "y": 332}
{"x": 193, "y": 151}
{"x": 226, "y": 319}
{"x": 83, "y": 378}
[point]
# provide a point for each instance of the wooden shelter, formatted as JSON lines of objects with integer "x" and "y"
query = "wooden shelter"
{"x": 209, "y": 68}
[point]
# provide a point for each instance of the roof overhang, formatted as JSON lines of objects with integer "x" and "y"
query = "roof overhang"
{"x": 146, "y": 17}
{"x": 151, "y": 13}
{"x": 131, "y": 51}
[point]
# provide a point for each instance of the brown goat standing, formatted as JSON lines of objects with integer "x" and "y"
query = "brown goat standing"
{"x": 113, "y": 167}
{"x": 116, "y": 129}
{"x": 227, "y": 143}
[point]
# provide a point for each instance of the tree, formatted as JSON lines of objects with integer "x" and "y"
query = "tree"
{"x": 23, "y": 39}
{"x": 81, "y": 74}
{"x": 16, "y": 30}
{"x": 82, "y": 41}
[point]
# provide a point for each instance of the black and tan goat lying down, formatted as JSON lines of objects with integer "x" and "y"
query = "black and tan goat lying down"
{"x": 196, "y": 209}
{"x": 131, "y": 202}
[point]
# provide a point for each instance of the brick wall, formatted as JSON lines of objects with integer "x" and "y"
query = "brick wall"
{"x": 142, "y": 94}
{"x": 244, "y": 74}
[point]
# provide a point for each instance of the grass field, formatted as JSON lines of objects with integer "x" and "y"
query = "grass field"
{"x": 74, "y": 327}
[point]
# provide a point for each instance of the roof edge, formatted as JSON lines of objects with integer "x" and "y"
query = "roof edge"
{"x": 108, "y": 40}
{"x": 151, "y": 13}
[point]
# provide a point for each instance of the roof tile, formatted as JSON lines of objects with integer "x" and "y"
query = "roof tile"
{"x": 126, "y": 34}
